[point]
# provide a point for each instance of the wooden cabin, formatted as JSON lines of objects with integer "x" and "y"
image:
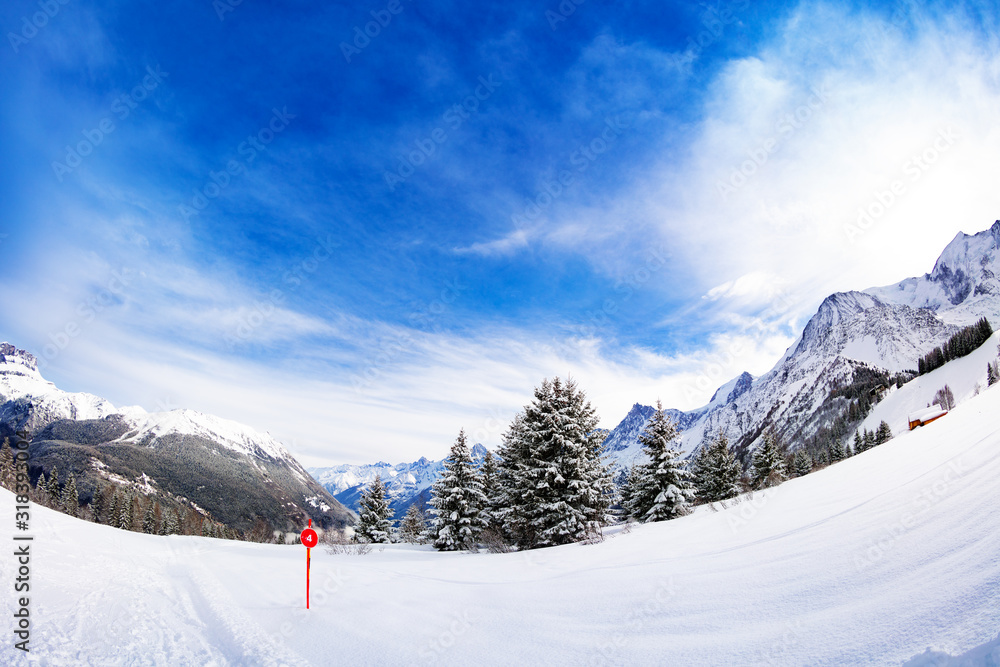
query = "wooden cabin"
{"x": 925, "y": 416}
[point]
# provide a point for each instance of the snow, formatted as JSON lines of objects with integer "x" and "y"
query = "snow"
{"x": 886, "y": 557}
{"x": 20, "y": 378}
{"x": 964, "y": 376}
{"x": 231, "y": 434}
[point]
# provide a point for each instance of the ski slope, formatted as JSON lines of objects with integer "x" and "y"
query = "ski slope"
{"x": 872, "y": 561}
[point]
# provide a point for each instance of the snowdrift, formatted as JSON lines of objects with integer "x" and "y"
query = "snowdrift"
{"x": 888, "y": 557}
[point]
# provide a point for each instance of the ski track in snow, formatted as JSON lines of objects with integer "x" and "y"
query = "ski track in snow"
{"x": 888, "y": 557}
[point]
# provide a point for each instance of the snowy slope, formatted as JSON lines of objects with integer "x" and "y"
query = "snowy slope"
{"x": 867, "y": 562}
{"x": 965, "y": 377}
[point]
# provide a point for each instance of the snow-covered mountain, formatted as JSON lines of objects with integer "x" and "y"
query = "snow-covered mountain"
{"x": 186, "y": 457}
{"x": 404, "y": 482}
{"x": 852, "y": 335}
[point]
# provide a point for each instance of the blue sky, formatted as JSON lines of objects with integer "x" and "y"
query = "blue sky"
{"x": 362, "y": 243}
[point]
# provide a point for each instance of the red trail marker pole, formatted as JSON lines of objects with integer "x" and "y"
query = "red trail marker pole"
{"x": 309, "y": 539}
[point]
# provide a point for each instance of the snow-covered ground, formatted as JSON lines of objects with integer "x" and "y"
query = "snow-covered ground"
{"x": 869, "y": 562}
{"x": 964, "y": 376}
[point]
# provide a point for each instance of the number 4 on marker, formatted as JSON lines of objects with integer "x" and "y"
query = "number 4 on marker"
{"x": 309, "y": 540}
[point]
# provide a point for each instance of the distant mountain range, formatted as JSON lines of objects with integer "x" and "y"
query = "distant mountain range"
{"x": 186, "y": 459}
{"x": 858, "y": 342}
{"x": 405, "y": 483}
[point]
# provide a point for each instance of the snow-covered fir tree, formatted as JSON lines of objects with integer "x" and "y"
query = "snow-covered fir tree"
{"x": 489, "y": 475}
{"x": 992, "y": 373}
{"x": 869, "y": 439}
{"x": 837, "y": 452}
{"x": 457, "y": 500}
{"x": 802, "y": 463}
{"x": 126, "y": 507}
{"x": 111, "y": 514}
{"x": 768, "y": 463}
{"x": 716, "y": 470}
{"x": 556, "y": 483}
{"x": 373, "y": 515}
{"x": 173, "y": 523}
{"x": 859, "y": 443}
{"x": 660, "y": 488}
{"x": 7, "y": 468}
{"x": 149, "y": 518}
{"x": 70, "y": 499}
{"x": 883, "y": 434}
{"x": 55, "y": 493}
{"x": 413, "y": 527}
{"x": 514, "y": 491}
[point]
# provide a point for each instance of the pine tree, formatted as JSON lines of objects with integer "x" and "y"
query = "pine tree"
{"x": 560, "y": 468}
{"x": 373, "y": 516}
{"x": 859, "y": 443}
{"x": 8, "y": 473}
{"x": 768, "y": 463}
{"x": 97, "y": 503}
{"x": 114, "y": 508}
{"x": 802, "y": 463}
{"x": 516, "y": 493}
{"x": 70, "y": 500}
{"x": 992, "y": 374}
{"x": 661, "y": 487}
{"x": 126, "y": 511}
{"x": 413, "y": 527}
{"x": 149, "y": 519}
{"x": 837, "y": 452}
{"x": 457, "y": 500}
{"x": 869, "y": 439}
{"x": 41, "y": 491}
{"x": 716, "y": 470}
{"x": 883, "y": 434}
{"x": 492, "y": 510}
{"x": 164, "y": 525}
{"x": 173, "y": 523}
{"x": 54, "y": 491}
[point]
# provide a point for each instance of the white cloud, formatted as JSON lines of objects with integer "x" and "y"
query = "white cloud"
{"x": 505, "y": 245}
